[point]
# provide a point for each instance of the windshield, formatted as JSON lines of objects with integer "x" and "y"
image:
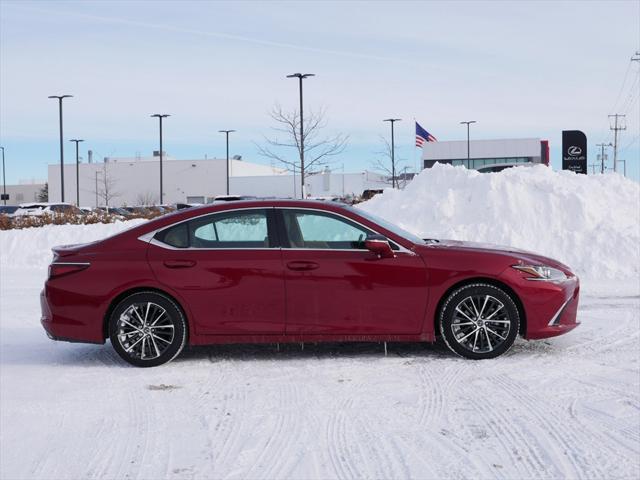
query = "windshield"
{"x": 389, "y": 226}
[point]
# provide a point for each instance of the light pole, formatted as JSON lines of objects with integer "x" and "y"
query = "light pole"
{"x": 227, "y": 132}
{"x": 77, "y": 141}
{"x": 300, "y": 77}
{"x": 60, "y": 98}
{"x": 4, "y": 183}
{"x": 160, "y": 116}
{"x": 393, "y": 151}
{"x": 468, "y": 143}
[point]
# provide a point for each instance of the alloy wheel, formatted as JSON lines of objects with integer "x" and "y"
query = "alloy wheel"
{"x": 145, "y": 330}
{"x": 480, "y": 323}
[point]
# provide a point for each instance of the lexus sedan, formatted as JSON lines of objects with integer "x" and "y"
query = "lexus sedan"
{"x": 298, "y": 271}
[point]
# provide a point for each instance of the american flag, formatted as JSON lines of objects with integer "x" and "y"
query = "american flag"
{"x": 423, "y": 136}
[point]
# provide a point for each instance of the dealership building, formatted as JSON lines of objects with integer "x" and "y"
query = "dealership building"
{"x": 136, "y": 181}
{"x": 487, "y": 155}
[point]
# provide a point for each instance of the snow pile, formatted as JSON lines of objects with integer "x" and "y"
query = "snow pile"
{"x": 31, "y": 247}
{"x": 589, "y": 222}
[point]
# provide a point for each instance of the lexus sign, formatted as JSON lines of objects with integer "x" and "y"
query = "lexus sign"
{"x": 574, "y": 151}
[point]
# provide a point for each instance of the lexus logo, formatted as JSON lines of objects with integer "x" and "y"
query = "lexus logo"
{"x": 574, "y": 151}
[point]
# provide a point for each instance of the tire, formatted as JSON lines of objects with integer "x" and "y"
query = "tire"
{"x": 147, "y": 329}
{"x": 479, "y": 321}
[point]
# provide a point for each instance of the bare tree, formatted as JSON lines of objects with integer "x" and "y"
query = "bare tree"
{"x": 105, "y": 185}
{"x": 382, "y": 164}
{"x": 146, "y": 198}
{"x": 318, "y": 150}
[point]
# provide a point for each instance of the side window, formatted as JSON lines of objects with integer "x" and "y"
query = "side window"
{"x": 177, "y": 236}
{"x": 243, "y": 229}
{"x": 319, "y": 230}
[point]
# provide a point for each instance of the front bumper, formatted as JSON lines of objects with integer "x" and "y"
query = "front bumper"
{"x": 550, "y": 308}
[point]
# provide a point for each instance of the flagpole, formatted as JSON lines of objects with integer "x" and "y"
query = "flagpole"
{"x": 415, "y": 148}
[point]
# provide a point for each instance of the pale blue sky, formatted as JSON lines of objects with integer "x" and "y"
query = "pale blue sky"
{"x": 520, "y": 69}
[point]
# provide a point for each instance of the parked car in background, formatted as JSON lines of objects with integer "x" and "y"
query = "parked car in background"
{"x": 46, "y": 208}
{"x": 274, "y": 271}
{"x": 8, "y": 210}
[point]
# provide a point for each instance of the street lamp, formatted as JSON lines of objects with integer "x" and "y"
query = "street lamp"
{"x": 393, "y": 151}
{"x": 4, "y": 183}
{"x": 60, "y": 98}
{"x": 300, "y": 77}
{"x": 160, "y": 116}
{"x": 227, "y": 132}
{"x": 468, "y": 149}
{"x": 77, "y": 141}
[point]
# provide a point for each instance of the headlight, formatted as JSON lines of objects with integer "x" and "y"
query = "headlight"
{"x": 542, "y": 272}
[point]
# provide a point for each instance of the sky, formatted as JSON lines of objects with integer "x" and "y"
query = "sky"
{"x": 518, "y": 68}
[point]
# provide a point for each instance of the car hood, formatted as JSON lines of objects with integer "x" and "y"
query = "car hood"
{"x": 517, "y": 254}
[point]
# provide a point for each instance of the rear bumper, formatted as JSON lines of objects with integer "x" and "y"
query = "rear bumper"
{"x": 550, "y": 308}
{"x": 59, "y": 327}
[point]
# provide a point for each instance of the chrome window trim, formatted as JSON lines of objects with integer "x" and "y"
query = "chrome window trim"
{"x": 148, "y": 237}
{"x": 71, "y": 263}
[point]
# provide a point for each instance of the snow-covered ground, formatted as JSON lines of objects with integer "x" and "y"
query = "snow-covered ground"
{"x": 567, "y": 407}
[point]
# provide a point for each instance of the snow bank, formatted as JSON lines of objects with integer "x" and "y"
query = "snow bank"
{"x": 589, "y": 222}
{"x": 31, "y": 247}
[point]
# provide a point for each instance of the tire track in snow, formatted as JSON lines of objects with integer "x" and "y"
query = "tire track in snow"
{"x": 564, "y": 438}
{"x": 337, "y": 441}
{"x": 521, "y": 454}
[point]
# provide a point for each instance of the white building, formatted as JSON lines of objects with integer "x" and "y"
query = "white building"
{"x": 136, "y": 181}
{"x": 23, "y": 192}
{"x": 486, "y": 155}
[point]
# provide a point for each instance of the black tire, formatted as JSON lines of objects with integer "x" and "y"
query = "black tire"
{"x": 141, "y": 341}
{"x": 479, "y": 321}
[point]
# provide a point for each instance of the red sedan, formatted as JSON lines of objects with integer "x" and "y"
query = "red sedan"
{"x": 298, "y": 271}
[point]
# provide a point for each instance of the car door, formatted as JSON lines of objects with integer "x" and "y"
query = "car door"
{"x": 335, "y": 286}
{"x": 227, "y": 268}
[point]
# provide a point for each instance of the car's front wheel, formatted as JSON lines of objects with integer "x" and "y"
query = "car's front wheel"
{"x": 147, "y": 329}
{"x": 479, "y": 321}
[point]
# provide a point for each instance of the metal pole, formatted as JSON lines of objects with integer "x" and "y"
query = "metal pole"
{"x": 468, "y": 149}
{"x": 227, "y": 132}
{"x": 60, "y": 98}
{"x": 227, "y": 135}
{"x": 301, "y": 143}
{"x": 393, "y": 161}
{"x": 393, "y": 151}
{"x": 77, "y": 141}
{"x": 160, "y": 117}
{"x": 161, "y": 154}
{"x": 468, "y": 143}
{"x": 300, "y": 77}
{"x": 4, "y": 182}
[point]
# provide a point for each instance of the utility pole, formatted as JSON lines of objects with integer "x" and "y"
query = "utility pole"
{"x": 393, "y": 151}
{"x": 227, "y": 132}
{"x": 617, "y": 126}
{"x": 603, "y": 157}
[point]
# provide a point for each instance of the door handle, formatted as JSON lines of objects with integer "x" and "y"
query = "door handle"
{"x": 299, "y": 265}
{"x": 179, "y": 263}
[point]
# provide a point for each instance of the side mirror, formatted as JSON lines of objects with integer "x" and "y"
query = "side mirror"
{"x": 379, "y": 245}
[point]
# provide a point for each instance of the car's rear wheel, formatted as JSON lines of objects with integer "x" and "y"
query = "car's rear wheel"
{"x": 479, "y": 321}
{"x": 147, "y": 329}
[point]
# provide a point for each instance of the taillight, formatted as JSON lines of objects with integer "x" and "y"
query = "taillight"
{"x": 57, "y": 269}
